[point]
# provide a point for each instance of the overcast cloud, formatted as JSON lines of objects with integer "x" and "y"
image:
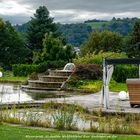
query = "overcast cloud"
{"x": 68, "y": 11}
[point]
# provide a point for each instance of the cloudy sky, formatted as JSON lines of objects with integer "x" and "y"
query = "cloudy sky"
{"x": 69, "y": 11}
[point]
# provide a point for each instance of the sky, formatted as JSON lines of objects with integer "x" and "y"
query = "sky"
{"x": 69, "y": 11}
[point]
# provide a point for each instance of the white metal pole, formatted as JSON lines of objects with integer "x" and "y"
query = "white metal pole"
{"x": 105, "y": 88}
{"x": 107, "y": 85}
{"x": 103, "y": 85}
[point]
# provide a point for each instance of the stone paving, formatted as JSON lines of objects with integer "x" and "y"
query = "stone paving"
{"x": 92, "y": 101}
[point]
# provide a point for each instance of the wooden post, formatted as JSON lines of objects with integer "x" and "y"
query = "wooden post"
{"x": 139, "y": 70}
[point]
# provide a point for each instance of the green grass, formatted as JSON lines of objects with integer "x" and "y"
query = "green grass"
{"x": 97, "y": 25}
{"x": 19, "y": 133}
{"x": 8, "y": 77}
{"x": 12, "y": 78}
{"x": 116, "y": 87}
{"x": 96, "y": 84}
{"x": 89, "y": 84}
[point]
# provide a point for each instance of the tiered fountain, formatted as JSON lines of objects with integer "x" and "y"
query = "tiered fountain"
{"x": 55, "y": 81}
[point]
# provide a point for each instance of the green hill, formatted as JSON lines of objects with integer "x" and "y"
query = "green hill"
{"x": 77, "y": 33}
{"x": 97, "y": 25}
{"x": 122, "y": 26}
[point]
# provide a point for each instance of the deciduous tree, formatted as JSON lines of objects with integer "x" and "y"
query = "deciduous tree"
{"x": 12, "y": 47}
{"x": 103, "y": 41}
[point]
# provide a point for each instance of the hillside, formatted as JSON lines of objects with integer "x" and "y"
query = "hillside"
{"x": 122, "y": 26}
{"x": 96, "y": 24}
{"x": 77, "y": 33}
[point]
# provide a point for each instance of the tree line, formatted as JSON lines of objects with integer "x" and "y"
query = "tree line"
{"x": 108, "y": 41}
{"x": 39, "y": 44}
{"x": 77, "y": 33}
{"x": 42, "y": 40}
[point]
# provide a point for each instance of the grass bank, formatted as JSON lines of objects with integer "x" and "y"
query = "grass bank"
{"x": 66, "y": 117}
{"x": 9, "y": 78}
{"x": 22, "y": 133}
{"x": 12, "y": 79}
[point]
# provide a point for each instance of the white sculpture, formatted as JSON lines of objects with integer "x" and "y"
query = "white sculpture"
{"x": 123, "y": 95}
{"x": 1, "y": 74}
{"x": 127, "y": 95}
{"x": 69, "y": 67}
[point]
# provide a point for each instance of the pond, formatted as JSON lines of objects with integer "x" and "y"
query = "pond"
{"x": 10, "y": 93}
{"x": 68, "y": 118}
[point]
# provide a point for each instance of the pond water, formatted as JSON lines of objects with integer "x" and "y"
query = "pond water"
{"x": 53, "y": 118}
{"x": 47, "y": 117}
{"x": 10, "y": 93}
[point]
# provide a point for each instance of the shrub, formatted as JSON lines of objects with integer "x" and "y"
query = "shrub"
{"x": 98, "y": 58}
{"x": 75, "y": 81}
{"x": 33, "y": 76}
{"x": 24, "y": 69}
{"x": 51, "y": 64}
{"x": 88, "y": 71}
{"x": 1, "y": 69}
{"x": 57, "y": 64}
{"x": 122, "y": 72}
{"x": 42, "y": 67}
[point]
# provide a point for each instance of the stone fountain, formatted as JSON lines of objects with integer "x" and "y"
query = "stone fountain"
{"x": 55, "y": 81}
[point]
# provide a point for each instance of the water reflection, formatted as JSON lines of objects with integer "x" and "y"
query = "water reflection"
{"x": 10, "y": 93}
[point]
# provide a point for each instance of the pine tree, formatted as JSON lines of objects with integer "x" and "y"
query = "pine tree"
{"x": 40, "y": 24}
{"x": 133, "y": 43}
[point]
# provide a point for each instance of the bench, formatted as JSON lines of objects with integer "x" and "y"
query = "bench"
{"x": 134, "y": 91}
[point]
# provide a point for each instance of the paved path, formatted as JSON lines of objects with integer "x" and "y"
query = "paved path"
{"x": 92, "y": 101}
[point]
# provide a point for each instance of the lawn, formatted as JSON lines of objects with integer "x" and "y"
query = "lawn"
{"x": 12, "y": 78}
{"x": 8, "y": 77}
{"x": 19, "y": 133}
{"x": 97, "y": 84}
{"x": 116, "y": 87}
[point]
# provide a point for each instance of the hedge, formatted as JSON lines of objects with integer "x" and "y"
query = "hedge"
{"x": 98, "y": 58}
{"x": 94, "y": 72}
{"x": 24, "y": 69}
{"x": 122, "y": 72}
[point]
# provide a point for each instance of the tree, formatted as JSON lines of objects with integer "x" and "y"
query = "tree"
{"x": 103, "y": 41}
{"x": 74, "y": 34}
{"x": 12, "y": 46}
{"x": 70, "y": 54}
{"x": 122, "y": 26}
{"x": 54, "y": 50}
{"x": 133, "y": 41}
{"x": 40, "y": 24}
